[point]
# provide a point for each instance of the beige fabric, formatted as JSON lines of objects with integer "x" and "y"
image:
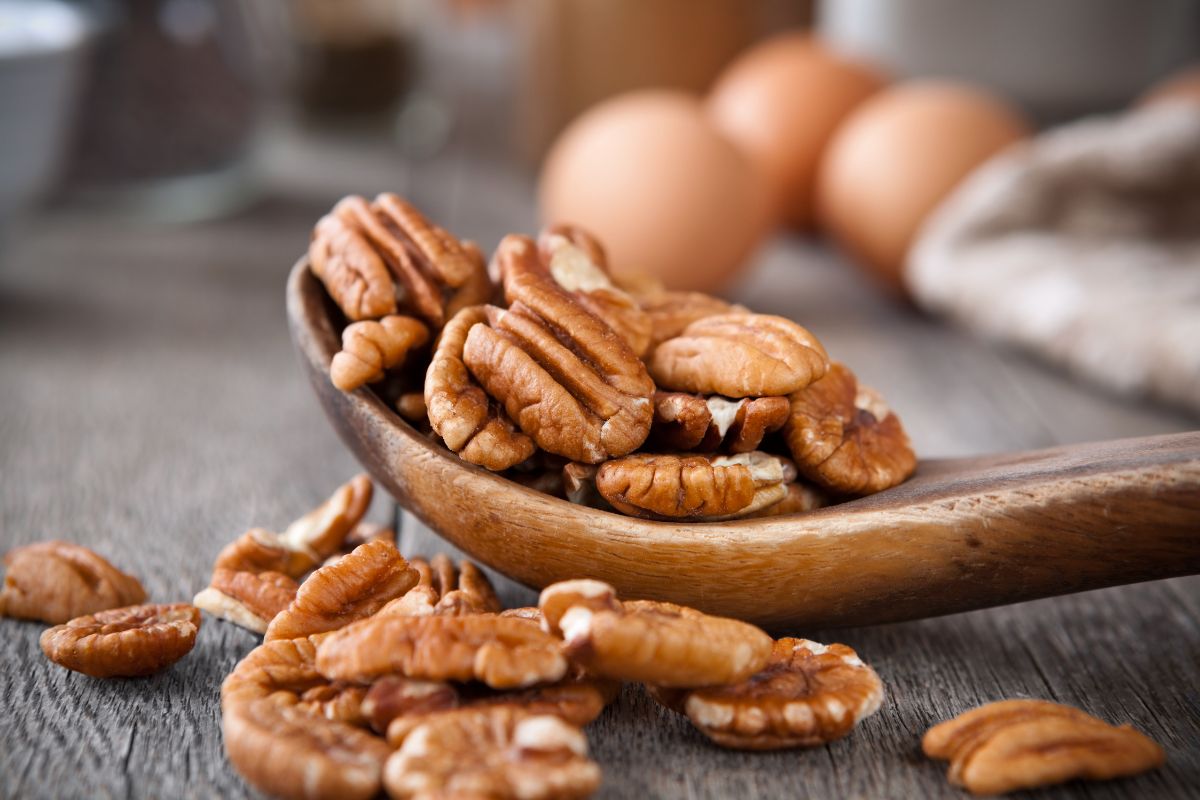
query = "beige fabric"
{"x": 1084, "y": 246}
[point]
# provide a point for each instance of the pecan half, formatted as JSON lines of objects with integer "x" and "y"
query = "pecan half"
{"x": 807, "y": 695}
{"x": 124, "y": 642}
{"x": 671, "y": 312}
{"x": 658, "y": 643}
{"x": 394, "y": 696}
{"x": 739, "y": 355}
{"x": 577, "y": 263}
{"x": 690, "y": 422}
{"x": 563, "y": 376}
{"x": 369, "y": 348}
{"x": 845, "y": 438}
{"x": 501, "y": 753}
{"x": 57, "y": 581}
{"x": 343, "y": 259}
{"x": 459, "y": 411}
{"x": 694, "y": 487}
{"x": 800, "y": 498}
{"x": 356, "y": 586}
{"x": 248, "y": 599}
{"x": 1023, "y": 744}
{"x": 288, "y": 751}
{"x": 504, "y": 653}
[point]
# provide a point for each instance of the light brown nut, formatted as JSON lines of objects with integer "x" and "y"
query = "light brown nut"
{"x": 530, "y": 613}
{"x": 739, "y": 355}
{"x": 418, "y": 601}
{"x": 690, "y": 422}
{"x": 807, "y": 695}
{"x": 124, "y": 642}
{"x": 502, "y": 754}
{"x": 564, "y": 377}
{"x": 471, "y": 593}
{"x": 369, "y": 348}
{"x": 577, "y": 701}
{"x": 845, "y": 439}
{"x": 355, "y": 587}
{"x": 694, "y": 487}
{"x": 335, "y": 701}
{"x": 1022, "y": 744}
{"x": 57, "y": 581}
{"x": 469, "y": 423}
{"x": 800, "y": 498}
{"x": 658, "y": 643}
{"x": 671, "y": 312}
{"x": 248, "y": 599}
{"x": 502, "y": 652}
{"x": 343, "y": 259}
{"x": 368, "y": 532}
{"x": 577, "y": 263}
{"x": 411, "y": 406}
{"x": 260, "y": 550}
{"x": 579, "y": 485}
{"x": 394, "y": 696}
{"x": 288, "y": 751}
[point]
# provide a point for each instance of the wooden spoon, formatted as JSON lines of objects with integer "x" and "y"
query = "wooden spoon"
{"x": 961, "y": 534}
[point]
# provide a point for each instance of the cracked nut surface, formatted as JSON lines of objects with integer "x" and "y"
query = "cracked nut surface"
{"x": 1022, "y": 744}
{"x": 288, "y": 751}
{"x": 694, "y": 486}
{"x": 504, "y": 653}
{"x": 369, "y": 348}
{"x": 248, "y": 599}
{"x": 808, "y": 694}
{"x": 563, "y": 376}
{"x": 58, "y": 581}
{"x": 845, "y": 438}
{"x": 691, "y": 422}
{"x": 671, "y": 312}
{"x": 501, "y": 754}
{"x": 739, "y": 355}
{"x": 352, "y": 588}
{"x": 658, "y": 643}
{"x": 460, "y": 412}
{"x": 577, "y": 262}
{"x": 124, "y": 642}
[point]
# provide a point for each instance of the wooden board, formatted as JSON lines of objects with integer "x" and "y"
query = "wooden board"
{"x": 150, "y": 406}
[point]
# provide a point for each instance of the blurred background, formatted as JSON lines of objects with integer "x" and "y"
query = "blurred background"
{"x": 1024, "y": 176}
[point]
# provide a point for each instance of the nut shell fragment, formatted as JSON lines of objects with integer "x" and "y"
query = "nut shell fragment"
{"x": 739, "y": 355}
{"x": 124, "y": 642}
{"x": 1022, "y": 744}
{"x": 58, "y": 581}
{"x": 369, "y": 348}
{"x": 845, "y": 439}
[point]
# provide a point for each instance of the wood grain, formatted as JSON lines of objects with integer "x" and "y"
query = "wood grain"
{"x": 152, "y": 408}
{"x": 961, "y": 534}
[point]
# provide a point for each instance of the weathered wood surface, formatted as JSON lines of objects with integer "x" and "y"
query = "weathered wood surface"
{"x": 151, "y": 407}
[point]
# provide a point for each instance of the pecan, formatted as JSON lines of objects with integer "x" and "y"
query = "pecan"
{"x": 694, "y": 487}
{"x": 844, "y": 438}
{"x": 807, "y": 695}
{"x": 343, "y": 259}
{"x": 394, "y": 696}
{"x": 307, "y": 542}
{"x": 564, "y": 377}
{"x": 369, "y": 348}
{"x": 501, "y": 753}
{"x": 739, "y": 355}
{"x": 577, "y": 263}
{"x": 354, "y": 587}
{"x": 1022, "y": 744}
{"x": 411, "y": 406}
{"x": 418, "y": 601}
{"x": 335, "y": 701}
{"x": 658, "y": 643}
{"x": 504, "y": 653}
{"x": 531, "y": 613}
{"x": 248, "y": 599}
{"x": 471, "y": 594}
{"x": 288, "y": 751}
{"x": 800, "y": 498}
{"x": 459, "y": 411}
{"x": 579, "y": 485}
{"x": 368, "y": 532}
{"x": 58, "y": 581}
{"x": 671, "y": 312}
{"x": 124, "y": 642}
{"x": 690, "y": 422}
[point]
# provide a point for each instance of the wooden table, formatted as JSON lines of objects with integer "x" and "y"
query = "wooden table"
{"x": 151, "y": 407}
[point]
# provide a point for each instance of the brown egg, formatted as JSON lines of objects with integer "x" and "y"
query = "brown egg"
{"x": 1183, "y": 86}
{"x": 663, "y": 190}
{"x": 897, "y": 156}
{"x": 780, "y": 102}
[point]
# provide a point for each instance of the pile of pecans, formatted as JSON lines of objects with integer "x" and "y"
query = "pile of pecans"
{"x": 379, "y": 673}
{"x": 612, "y": 392}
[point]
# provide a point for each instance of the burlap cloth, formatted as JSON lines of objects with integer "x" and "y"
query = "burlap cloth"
{"x": 1082, "y": 245}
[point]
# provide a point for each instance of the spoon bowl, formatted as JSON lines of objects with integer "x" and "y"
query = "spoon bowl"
{"x": 960, "y": 534}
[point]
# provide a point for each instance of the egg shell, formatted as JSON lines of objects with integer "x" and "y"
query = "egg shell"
{"x": 897, "y": 156}
{"x": 662, "y": 189}
{"x": 1183, "y": 86}
{"x": 781, "y": 102}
